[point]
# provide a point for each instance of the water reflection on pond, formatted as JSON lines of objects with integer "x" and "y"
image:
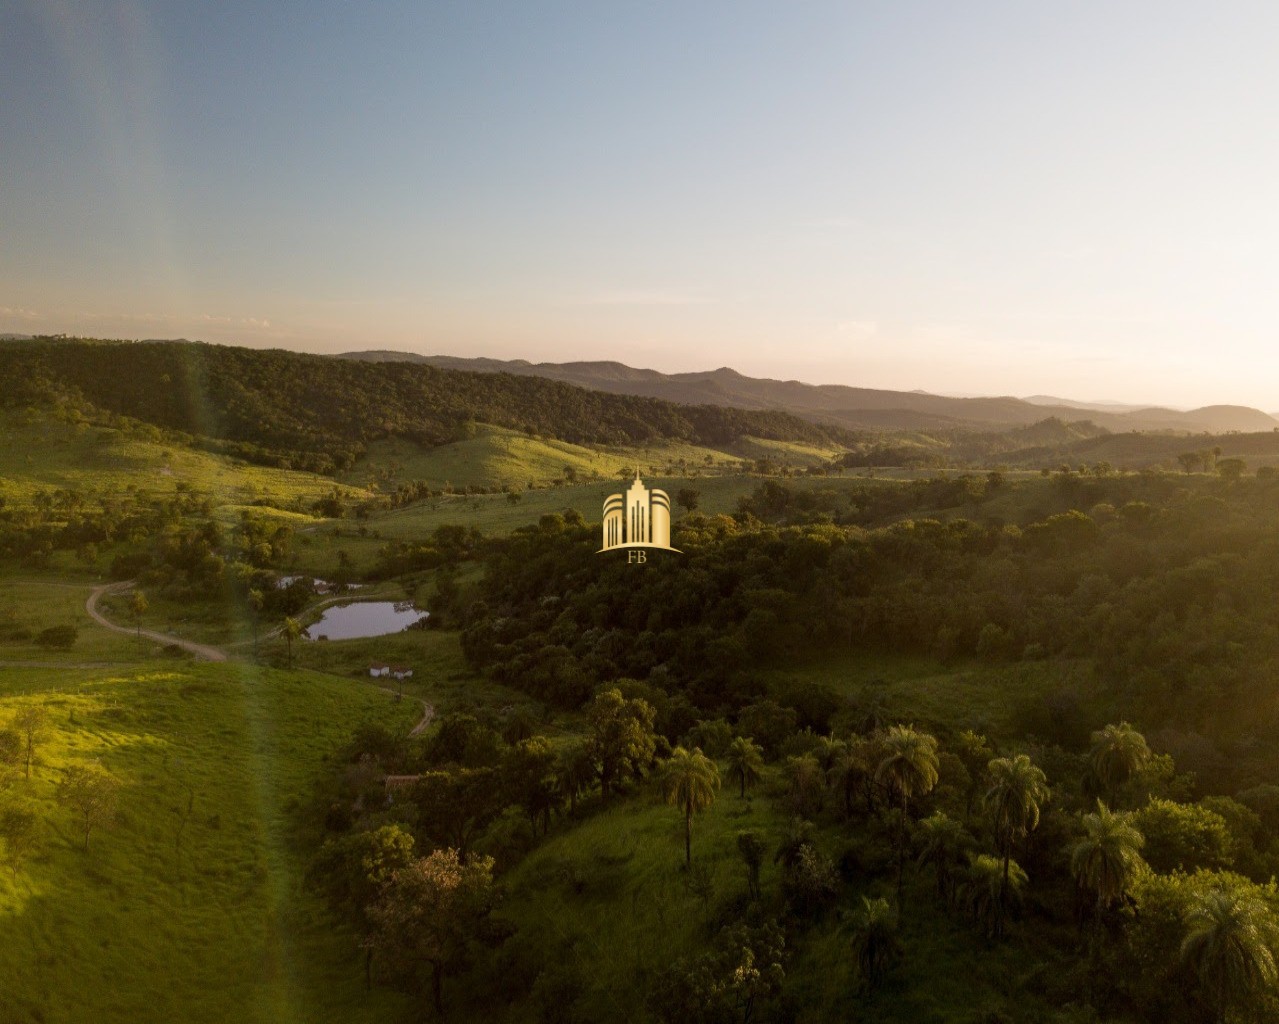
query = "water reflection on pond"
{"x": 365, "y": 618}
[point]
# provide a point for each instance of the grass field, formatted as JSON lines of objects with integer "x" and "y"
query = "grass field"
{"x": 495, "y": 514}
{"x": 497, "y": 456}
{"x": 215, "y": 928}
{"x": 965, "y": 695}
{"x": 43, "y": 453}
{"x": 29, "y": 606}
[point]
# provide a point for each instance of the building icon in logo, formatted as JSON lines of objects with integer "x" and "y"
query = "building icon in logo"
{"x": 640, "y": 518}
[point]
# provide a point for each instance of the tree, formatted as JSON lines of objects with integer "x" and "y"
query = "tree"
{"x": 975, "y": 752}
{"x": 454, "y": 807}
{"x": 1017, "y": 789}
{"x": 804, "y": 780}
{"x": 811, "y": 883}
{"x": 292, "y": 630}
{"x": 1107, "y": 858}
{"x": 799, "y": 834}
{"x": 92, "y": 793}
{"x": 908, "y": 769}
{"x": 688, "y": 498}
{"x": 1184, "y": 836}
{"x": 1231, "y": 470}
{"x": 256, "y": 602}
{"x": 767, "y": 723}
{"x": 1118, "y": 753}
{"x": 688, "y": 781}
{"x": 745, "y": 763}
{"x": 852, "y": 772}
{"x": 875, "y": 943}
{"x": 1189, "y": 460}
{"x": 10, "y": 753}
{"x": 942, "y": 841}
{"x": 989, "y": 889}
{"x": 622, "y": 737}
{"x": 751, "y": 847}
{"x": 137, "y": 608}
{"x": 1227, "y": 947}
{"x": 528, "y": 779}
{"x": 20, "y": 830}
{"x": 744, "y": 968}
{"x": 575, "y": 770}
{"x": 432, "y": 914}
{"x": 30, "y": 724}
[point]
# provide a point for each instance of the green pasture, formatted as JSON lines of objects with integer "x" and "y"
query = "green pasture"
{"x": 174, "y": 916}
{"x": 28, "y": 607}
{"x": 39, "y": 452}
{"x": 499, "y": 457}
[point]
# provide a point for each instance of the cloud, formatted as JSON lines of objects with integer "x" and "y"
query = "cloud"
{"x": 17, "y": 312}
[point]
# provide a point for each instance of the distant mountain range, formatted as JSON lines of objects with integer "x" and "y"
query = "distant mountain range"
{"x": 849, "y": 406}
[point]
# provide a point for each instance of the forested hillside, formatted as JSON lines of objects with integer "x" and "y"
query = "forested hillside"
{"x": 860, "y": 408}
{"x": 319, "y": 414}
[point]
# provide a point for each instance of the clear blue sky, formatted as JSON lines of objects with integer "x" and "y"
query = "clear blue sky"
{"x": 1004, "y": 198}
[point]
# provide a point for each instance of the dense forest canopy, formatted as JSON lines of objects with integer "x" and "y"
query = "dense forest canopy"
{"x": 1165, "y": 590}
{"x": 319, "y": 413}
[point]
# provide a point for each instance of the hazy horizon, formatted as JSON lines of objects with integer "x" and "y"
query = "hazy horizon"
{"x": 990, "y": 200}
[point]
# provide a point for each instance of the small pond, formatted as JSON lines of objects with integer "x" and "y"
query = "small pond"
{"x": 365, "y": 618}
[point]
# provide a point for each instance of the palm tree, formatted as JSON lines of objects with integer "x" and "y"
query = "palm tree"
{"x": 1105, "y": 861}
{"x": 804, "y": 777}
{"x": 1118, "y": 752}
{"x": 1226, "y": 947}
{"x": 908, "y": 769}
{"x": 990, "y": 887}
{"x": 799, "y": 834}
{"x": 942, "y": 840}
{"x": 292, "y": 630}
{"x": 850, "y": 772}
{"x": 745, "y": 762}
{"x": 689, "y": 780}
{"x": 975, "y": 752}
{"x": 875, "y": 941}
{"x": 1017, "y": 788}
{"x": 827, "y": 751}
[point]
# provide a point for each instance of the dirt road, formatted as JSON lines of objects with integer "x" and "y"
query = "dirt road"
{"x": 202, "y": 651}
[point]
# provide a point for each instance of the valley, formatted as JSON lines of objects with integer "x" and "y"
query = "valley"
{"x": 154, "y": 598}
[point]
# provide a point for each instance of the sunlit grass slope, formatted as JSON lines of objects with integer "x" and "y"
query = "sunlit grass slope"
{"x": 39, "y": 452}
{"x": 218, "y": 926}
{"x": 27, "y": 607}
{"x": 496, "y": 456}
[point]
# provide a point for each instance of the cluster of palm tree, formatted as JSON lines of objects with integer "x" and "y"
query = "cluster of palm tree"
{"x": 1229, "y": 934}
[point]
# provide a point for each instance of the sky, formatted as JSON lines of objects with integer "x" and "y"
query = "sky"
{"x": 1076, "y": 199}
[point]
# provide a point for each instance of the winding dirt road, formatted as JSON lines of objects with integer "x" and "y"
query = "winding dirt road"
{"x": 205, "y": 651}
{"x": 202, "y": 651}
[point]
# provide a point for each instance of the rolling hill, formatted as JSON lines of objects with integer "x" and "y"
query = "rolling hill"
{"x": 857, "y": 408}
{"x": 311, "y": 412}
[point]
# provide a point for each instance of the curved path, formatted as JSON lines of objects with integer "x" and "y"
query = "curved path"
{"x": 202, "y": 651}
{"x": 207, "y": 652}
{"x": 428, "y": 711}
